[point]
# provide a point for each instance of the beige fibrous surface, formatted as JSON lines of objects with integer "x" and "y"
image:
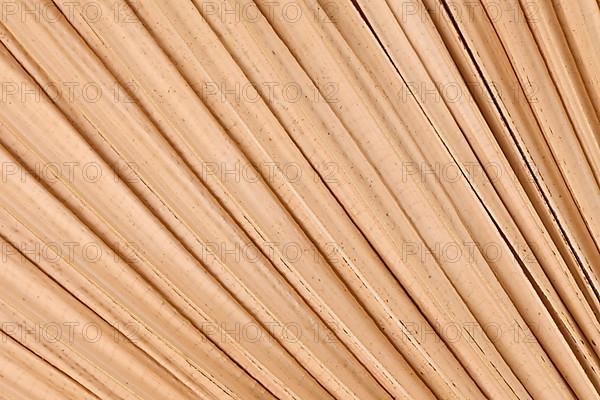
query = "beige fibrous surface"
{"x": 300, "y": 199}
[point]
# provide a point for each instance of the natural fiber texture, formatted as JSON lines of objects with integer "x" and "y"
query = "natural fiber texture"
{"x": 320, "y": 199}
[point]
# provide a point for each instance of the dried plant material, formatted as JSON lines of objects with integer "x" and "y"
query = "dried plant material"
{"x": 320, "y": 199}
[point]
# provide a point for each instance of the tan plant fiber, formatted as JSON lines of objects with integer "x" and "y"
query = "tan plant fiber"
{"x": 300, "y": 199}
